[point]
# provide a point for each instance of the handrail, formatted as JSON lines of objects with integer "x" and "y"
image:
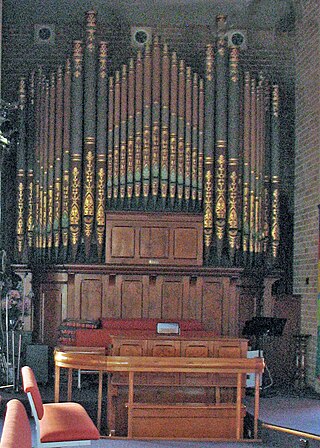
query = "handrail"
{"x": 184, "y": 364}
{"x": 82, "y": 360}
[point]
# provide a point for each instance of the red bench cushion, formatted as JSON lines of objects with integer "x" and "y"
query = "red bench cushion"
{"x": 101, "y": 337}
{"x": 66, "y": 421}
{"x": 148, "y": 324}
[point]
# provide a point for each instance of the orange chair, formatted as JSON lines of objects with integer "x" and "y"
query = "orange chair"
{"x": 57, "y": 424}
{"x": 16, "y": 432}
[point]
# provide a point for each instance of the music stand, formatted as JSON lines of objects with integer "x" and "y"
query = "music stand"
{"x": 264, "y": 326}
{"x": 260, "y": 328}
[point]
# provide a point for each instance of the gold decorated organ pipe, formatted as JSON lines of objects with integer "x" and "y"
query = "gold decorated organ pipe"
{"x": 51, "y": 158}
{"x": 181, "y": 132}
{"x": 58, "y": 164}
{"x": 76, "y": 148}
{"x": 138, "y": 129}
{"x": 101, "y": 172}
{"x": 201, "y": 143}
{"x": 233, "y": 154}
{"x": 259, "y": 164}
{"x": 188, "y": 127}
{"x": 40, "y": 161}
{"x": 66, "y": 162}
{"x": 173, "y": 129}
{"x": 246, "y": 166}
{"x": 267, "y": 173}
{"x": 194, "y": 140}
{"x": 123, "y": 135}
{"x": 257, "y": 174}
{"x": 130, "y": 152}
{"x": 208, "y": 111}
{"x": 155, "y": 132}
{"x": 146, "y": 126}
{"x": 89, "y": 125}
{"x": 253, "y": 150}
{"x": 275, "y": 173}
{"x": 164, "y": 160}
{"x": 30, "y": 189}
{"x": 110, "y": 141}
{"x": 21, "y": 171}
{"x": 116, "y": 139}
{"x": 38, "y": 132}
{"x": 220, "y": 215}
{"x": 44, "y": 169}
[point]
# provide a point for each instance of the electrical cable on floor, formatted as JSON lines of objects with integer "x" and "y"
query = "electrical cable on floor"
{"x": 270, "y": 379}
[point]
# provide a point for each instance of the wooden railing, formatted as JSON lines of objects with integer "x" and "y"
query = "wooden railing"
{"x": 132, "y": 364}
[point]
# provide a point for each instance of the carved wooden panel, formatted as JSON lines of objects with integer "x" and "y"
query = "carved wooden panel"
{"x": 212, "y": 304}
{"x": 185, "y": 241}
{"x": 50, "y": 306}
{"x": 131, "y": 297}
{"x": 50, "y": 312}
{"x": 122, "y": 239}
{"x": 129, "y": 347}
{"x": 88, "y": 296}
{"x": 196, "y": 349}
{"x": 163, "y": 348}
{"x": 154, "y": 239}
{"x": 91, "y": 299}
{"x": 154, "y": 243}
{"x": 171, "y": 297}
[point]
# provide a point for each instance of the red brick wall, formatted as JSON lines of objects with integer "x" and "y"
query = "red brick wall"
{"x": 269, "y": 51}
{"x": 307, "y": 169}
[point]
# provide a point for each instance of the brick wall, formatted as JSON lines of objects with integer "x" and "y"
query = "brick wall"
{"x": 307, "y": 170}
{"x": 269, "y": 51}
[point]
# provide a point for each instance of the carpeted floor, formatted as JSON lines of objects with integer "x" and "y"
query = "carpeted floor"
{"x": 301, "y": 413}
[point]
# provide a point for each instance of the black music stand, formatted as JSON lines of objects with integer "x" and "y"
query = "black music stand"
{"x": 261, "y": 329}
{"x": 264, "y": 326}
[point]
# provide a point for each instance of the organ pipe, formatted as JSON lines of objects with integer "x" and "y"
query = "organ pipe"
{"x": 101, "y": 159}
{"x": 76, "y": 149}
{"x": 89, "y": 132}
{"x": 65, "y": 199}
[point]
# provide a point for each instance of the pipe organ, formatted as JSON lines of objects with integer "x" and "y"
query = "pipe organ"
{"x": 154, "y": 136}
